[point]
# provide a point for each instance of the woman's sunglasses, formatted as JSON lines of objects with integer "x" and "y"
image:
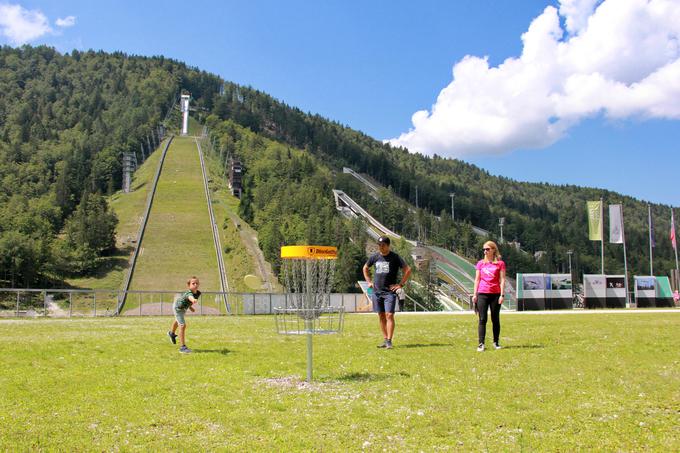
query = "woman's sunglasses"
{"x": 486, "y": 249}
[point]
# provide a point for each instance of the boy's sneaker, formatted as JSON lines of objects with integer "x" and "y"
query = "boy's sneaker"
{"x": 383, "y": 344}
{"x": 496, "y": 345}
{"x": 388, "y": 344}
{"x": 173, "y": 337}
{"x": 480, "y": 348}
{"x": 185, "y": 350}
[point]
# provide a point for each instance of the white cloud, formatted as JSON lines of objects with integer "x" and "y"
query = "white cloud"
{"x": 20, "y": 25}
{"x": 68, "y": 21}
{"x": 576, "y": 13}
{"x": 619, "y": 59}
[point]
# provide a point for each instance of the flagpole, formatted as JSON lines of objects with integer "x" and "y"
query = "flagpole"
{"x": 675, "y": 248}
{"x": 625, "y": 261}
{"x": 651, "y": 257}
{"x": 602, "y": 232}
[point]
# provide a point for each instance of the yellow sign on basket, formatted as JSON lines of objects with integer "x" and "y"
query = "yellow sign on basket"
{"x": 320, "y": 252}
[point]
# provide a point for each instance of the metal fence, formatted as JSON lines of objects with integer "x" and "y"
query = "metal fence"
{"x": 66, "y": 303}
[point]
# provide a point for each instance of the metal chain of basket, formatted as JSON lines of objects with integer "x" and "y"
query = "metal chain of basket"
{"x": 308, "y": 275}
{"x": 309, "y": 284}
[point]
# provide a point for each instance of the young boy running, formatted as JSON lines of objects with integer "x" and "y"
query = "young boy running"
{"x": 181, "y": 304}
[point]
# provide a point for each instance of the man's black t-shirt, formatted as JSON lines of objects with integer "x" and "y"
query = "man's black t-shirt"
{"x": 386, "y": 270}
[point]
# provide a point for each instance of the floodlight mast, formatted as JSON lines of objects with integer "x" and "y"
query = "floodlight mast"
{"x": 184, "y": 108}
{"x": 452, "y": 195}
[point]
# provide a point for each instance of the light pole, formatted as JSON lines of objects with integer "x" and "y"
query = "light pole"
{"x": 501, "y": 221}
{"x": 569, "y": 253}
{"x": 453, "y": 217}
{"x": 417, "y": 215}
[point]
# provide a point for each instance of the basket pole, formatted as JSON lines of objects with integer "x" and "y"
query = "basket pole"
{"x": 310, "y": 355}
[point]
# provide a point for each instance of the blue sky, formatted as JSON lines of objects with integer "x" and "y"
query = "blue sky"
{"x": 580, "y": 92}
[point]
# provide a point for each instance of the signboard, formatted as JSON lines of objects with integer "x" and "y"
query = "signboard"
{"x": 664, "y": 294}
{"x": 532, "y": 295}
{"x": 367, "y": 303}
{"x": 604, "y": 291}
{"x": 544, "y": 291}
{"x": 594, "y": 290}
{"x": 616, "y": 291}
{"x": 558, "y": 291}
{"x": 652, "y": 291}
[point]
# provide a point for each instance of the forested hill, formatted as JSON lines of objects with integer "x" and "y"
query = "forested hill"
{"x": 542, "y": 217}
{"x": 66, "y": 120}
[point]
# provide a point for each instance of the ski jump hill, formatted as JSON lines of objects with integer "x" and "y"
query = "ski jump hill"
{"x": 455, "y": 273}
{"x": 178, "y": 236}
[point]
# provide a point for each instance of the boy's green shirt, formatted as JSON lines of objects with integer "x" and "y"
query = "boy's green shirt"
{"x": 183, "y": 302}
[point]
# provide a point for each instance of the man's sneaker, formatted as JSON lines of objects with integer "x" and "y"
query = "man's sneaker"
{"x": 496, "y": 345}
{"x": 185, "y": 350}
{"x": 173, "y": 337}
{"x": 480, "y": 348}
{"x": 388, "y": 344}
{"x": 383, "y": 344}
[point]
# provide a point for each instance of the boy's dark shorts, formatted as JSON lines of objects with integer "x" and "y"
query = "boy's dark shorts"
{"x": 384, "y": 302}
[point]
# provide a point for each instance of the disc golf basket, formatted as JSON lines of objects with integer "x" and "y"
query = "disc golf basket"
{"x": 307, "y": 274}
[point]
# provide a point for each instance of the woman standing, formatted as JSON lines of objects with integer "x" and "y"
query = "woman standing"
{"x": 489, "y": 292}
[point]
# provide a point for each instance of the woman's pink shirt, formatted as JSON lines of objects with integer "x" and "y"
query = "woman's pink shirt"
{"x": 490, "y": 276}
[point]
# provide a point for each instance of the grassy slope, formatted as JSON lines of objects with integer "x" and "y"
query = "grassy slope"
{"x": 564, "y": 382}
{"x": 178, "y": 241}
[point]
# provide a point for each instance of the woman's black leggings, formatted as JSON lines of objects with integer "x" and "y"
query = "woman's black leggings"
{"x": 484, "y": 303}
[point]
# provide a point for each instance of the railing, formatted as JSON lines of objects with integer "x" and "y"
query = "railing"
{"x": 354, "y": 206}
{"x": 224, "y": 283}
{"x": 67, "y": 303}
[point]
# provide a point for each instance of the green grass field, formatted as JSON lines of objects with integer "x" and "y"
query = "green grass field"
{"x": 563, "y": 382}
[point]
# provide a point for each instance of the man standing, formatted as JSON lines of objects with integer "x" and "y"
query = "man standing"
{"x": 384, "y": 284}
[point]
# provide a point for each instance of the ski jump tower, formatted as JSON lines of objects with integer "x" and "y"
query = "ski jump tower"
{"x": 184, "y": 108}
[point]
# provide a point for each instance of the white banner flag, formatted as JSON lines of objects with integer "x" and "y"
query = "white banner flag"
{"x": 615, "y": 224}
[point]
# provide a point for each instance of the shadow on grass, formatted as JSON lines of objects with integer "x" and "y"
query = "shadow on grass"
{"x": 422, "y": 345}
{"x": 140, "y": 186}
{"x": 371, "y": 377}
{"x": 223, "y": 351}
{"x": 524, "y": 346}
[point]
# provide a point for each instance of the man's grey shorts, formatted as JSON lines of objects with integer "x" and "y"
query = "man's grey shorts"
{"x": 384, "y": 302}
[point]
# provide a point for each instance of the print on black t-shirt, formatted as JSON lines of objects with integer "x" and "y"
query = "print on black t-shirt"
{"x": 386, "y": 270}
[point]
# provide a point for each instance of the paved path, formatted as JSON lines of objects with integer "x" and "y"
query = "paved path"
{"x": 550, "y": 312}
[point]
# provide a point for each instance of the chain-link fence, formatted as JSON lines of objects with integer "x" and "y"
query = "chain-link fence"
{"x": 65, "y": 303}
